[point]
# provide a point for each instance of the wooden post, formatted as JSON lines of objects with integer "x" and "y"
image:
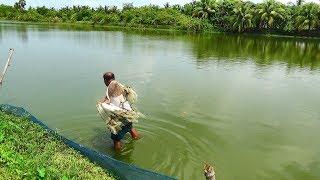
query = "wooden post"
{"x": 6, "y": 66}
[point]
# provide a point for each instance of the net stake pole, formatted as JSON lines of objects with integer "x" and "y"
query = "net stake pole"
{"x": 6, "y": 66}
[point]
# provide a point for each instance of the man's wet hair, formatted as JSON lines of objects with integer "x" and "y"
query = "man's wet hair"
{"x": 108, "y": 75}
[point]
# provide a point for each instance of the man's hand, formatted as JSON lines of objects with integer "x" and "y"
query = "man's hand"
{"x": 105, "y": 100}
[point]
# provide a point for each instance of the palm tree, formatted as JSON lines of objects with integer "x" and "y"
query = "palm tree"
{"x": 269, "y": 12}
{"x": 299, "y": 2}
{"x": 242, "y": 17}
{"x": 127, "y": 6}
{"x": 189, "y": 8}
{"x": 177, "y": 7}
{"x": 204, "y": 9}
{"x": 308, "y": 16}
{"x": 223, "y": 16}
{"x": 167, "y": 5}
{"x": 20, "y": 4}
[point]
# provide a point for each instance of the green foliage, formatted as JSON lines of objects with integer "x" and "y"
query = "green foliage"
{"x": 42, "y": 10}
{"x": 204, "y": 9}
{"x": 239, "y": 16}
{"x": 243, "y": 16}
{"x": 271, "y": 14}
{"x": 29, "y": 152}
{"x": 308, "y": 17}
{"x": 41, "y": 172}
{"x": 223, "y": 16}
{"x": 153, "y": 16}
{"x": 189, "y": 8}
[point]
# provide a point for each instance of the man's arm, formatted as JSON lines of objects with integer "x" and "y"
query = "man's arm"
{"x": 105, "y": 100}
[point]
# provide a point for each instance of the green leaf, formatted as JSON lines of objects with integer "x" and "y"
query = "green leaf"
{"x": 64, "y": 178}
{"x": 1, "y": 137}
{"x": 270, "y": 22}
{"x": 264, "y": 16}
{"x": 41, "y": 172}
{"x": 274, "y": 13}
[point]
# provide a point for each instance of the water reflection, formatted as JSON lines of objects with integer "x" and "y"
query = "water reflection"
{"x": 22, "y": 31}
{"x": 262, "y": 50}
{"x": 301, "y": 53}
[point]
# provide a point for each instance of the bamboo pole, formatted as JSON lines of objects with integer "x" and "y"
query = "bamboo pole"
{"x": 6, "y": 66}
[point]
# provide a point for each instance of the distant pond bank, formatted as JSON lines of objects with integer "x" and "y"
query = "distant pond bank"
{"x": 87, "y": 26}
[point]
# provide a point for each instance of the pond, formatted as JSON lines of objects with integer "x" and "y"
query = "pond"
{"x": 248, "y": 104}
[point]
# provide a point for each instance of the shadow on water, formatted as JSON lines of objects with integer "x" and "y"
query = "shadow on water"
{"x": 22, "y": 31}
{"x": 261, "y": 50}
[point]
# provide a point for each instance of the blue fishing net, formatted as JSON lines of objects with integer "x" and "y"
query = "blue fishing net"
{"x": 118, "y": 168}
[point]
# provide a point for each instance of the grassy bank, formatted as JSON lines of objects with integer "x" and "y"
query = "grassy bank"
{"x": 29, "y": 152}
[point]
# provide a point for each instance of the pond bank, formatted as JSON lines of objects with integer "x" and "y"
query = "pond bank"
{"x": 87, "y": 26}
{"x": 29, "y": 151}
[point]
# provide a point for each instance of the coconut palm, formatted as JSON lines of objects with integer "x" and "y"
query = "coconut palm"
{"x": 223, "y": 18}
{"x": 299, "y": 2}
{"x": 308, "y": 16}
{"x": 177, "y": 7}
{"x": 20, "y": 4}
{"x": 270, "y": 12}
{"x": 167, "y": 5}
{"x": 204, "y": 9}
{"x": 242, "y": 17}
{"x": 127, "y": 6}
{"x": 188, "y": 8}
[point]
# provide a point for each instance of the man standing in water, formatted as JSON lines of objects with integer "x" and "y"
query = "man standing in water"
{"x": 115, "y": 95}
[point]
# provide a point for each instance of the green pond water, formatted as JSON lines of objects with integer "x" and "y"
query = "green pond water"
{"x": 248, "y": 104}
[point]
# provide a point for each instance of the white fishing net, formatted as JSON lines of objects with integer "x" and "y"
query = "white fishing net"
{"x": 117, "y": 117}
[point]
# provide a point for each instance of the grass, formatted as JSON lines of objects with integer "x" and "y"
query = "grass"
{"x": 27, "y": 151}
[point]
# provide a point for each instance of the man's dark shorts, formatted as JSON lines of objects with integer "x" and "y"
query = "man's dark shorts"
{"x": 125, "y": 129}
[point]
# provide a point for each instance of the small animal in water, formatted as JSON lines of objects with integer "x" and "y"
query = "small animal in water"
{"x": 208, "y": 172}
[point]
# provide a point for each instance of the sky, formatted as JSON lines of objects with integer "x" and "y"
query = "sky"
{"x": 119, "y": 3}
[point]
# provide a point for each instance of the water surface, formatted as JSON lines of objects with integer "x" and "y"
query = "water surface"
{"x": 248, "y": 104}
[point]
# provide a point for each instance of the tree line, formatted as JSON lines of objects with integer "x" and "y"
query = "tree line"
{"x": 239, "y": 16}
